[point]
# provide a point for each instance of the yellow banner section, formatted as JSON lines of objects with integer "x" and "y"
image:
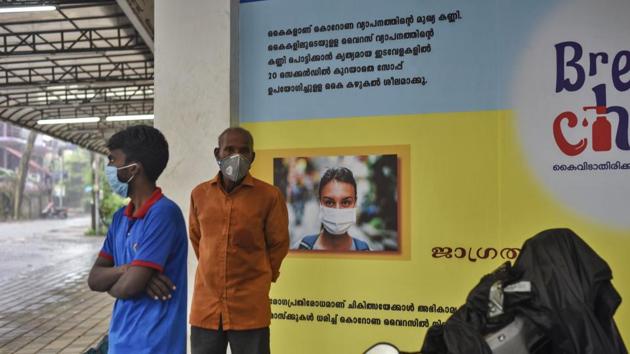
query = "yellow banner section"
{"x": 468, "y": 201}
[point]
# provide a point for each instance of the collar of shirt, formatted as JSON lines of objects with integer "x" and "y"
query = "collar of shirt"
{"x": 133, "y": 214}
{"x": 248, "y": 180}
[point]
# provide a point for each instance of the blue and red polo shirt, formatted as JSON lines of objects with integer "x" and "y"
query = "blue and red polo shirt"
{"x": 153, "y": 236}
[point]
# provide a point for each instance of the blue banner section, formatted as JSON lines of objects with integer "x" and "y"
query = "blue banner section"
{"x": 302, "y": 59}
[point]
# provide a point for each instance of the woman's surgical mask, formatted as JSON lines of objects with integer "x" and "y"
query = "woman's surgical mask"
{"x": 120, "y": 188}
{"x": 234, "y": 167}
{"x": 337, "y": 221}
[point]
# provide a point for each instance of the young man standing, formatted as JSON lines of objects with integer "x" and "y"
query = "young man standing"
{"x": 143, "y": 260}
{"x": 239, "y": 232}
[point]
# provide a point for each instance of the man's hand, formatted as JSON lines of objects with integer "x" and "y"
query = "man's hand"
{"x": 160, "y": 287}
{"x": 104, "y": 275}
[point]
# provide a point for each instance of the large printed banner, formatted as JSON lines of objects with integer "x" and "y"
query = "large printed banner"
{"x": 456, "y": 129}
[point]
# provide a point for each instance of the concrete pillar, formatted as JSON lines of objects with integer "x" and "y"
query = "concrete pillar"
{"x": 192, "y": 92}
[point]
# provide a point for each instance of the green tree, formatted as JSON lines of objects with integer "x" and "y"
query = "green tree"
{"x": 110, "y": 201}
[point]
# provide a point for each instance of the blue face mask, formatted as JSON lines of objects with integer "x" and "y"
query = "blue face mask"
{"x": 120, "y": 188}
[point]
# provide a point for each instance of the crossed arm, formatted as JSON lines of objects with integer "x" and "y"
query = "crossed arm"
{"x": 128, "y": 281}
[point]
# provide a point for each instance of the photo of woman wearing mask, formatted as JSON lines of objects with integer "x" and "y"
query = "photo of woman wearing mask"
{"x": 337, "y": 213}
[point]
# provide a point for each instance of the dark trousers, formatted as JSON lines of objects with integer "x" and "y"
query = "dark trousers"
{"x": 208, "y": 341}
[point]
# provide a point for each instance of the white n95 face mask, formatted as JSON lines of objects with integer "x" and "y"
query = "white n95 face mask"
{"x": 337, "y": 221}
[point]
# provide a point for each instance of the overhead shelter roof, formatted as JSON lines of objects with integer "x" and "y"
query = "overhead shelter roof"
{"x": 83, "y": 59}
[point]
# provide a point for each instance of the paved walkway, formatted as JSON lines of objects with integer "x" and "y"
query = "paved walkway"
{"x": 45, "y": 304}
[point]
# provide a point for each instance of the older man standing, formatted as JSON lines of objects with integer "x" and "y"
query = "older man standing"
{"x": 239, "y": 232}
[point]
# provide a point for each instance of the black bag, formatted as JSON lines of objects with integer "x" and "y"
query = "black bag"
{"x": 571, "y": 303}
{"x": 101, "y": 348}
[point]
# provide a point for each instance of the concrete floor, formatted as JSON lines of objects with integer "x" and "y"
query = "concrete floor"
{"x": 45, "y": 304}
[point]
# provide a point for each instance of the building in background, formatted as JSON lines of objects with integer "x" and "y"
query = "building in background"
{"x": 58, "y": 173}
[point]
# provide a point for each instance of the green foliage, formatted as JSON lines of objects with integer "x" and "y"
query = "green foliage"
{"x": 92, "y": 232}
{"x": 6, "y": 173}
{"x": 7, "y": 182}
{"x": 110, "y": 202}
{"x": 78, "y": 171}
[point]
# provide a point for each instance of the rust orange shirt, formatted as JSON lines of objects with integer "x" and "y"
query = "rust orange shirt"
{"x": 240, "y": 239}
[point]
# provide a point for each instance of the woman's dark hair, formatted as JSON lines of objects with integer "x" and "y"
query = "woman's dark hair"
{"x": 339, "y": 174}
{"x": 143, "y": 144}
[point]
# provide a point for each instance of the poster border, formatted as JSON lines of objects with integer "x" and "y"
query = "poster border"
{"x": 263, "y": 169}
